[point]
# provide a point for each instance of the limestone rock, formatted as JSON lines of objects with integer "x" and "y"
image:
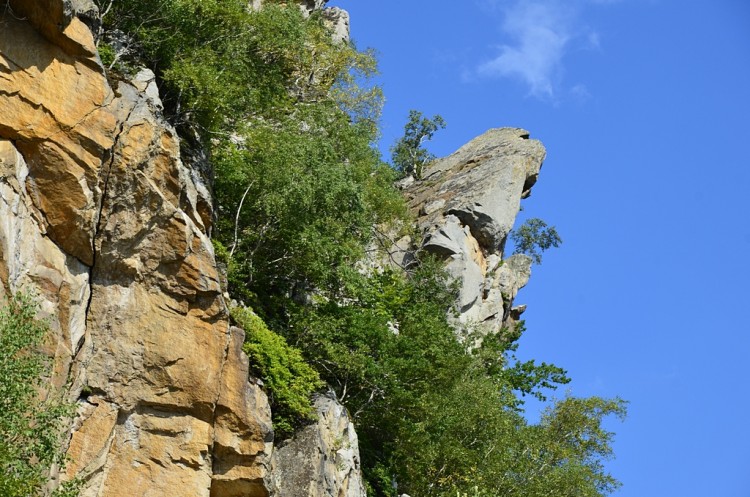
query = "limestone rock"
{"x": 158, "y": 345}
{"x": 322, "y": 460}
{"x": 243, "y": 435}
{"x": 482, "y": 184}
{"x": 308, "y": 6}
{"x": 30, "y": 261}
{"x": 60, "y": 22}
{"x": 466, "y": 205}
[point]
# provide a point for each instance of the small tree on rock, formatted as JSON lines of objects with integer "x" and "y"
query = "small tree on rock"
{"x": 408, "y": 154}
{"x": 534, "y": 237}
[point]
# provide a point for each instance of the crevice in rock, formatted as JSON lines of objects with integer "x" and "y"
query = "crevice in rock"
{"x": 98, "y": 219}
{"x": 477, "y": 221}
{"x": 214, "y": 442}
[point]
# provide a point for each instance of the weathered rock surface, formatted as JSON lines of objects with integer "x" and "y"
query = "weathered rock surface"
{"x": 30, "y": 260}
{"x": 100, "y": 218}
{"x": 322, "y": 460}
{"x": 466, "y": 205}
{"x": 309, "y": 6}
{"x": 55, "y": 111}
{"x": 338, "y": 21}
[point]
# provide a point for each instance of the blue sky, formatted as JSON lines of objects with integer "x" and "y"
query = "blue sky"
{"x": 643, "y": 106}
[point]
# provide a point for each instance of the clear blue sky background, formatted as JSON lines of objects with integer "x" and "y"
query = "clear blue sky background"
{"x": 643, "y": 106}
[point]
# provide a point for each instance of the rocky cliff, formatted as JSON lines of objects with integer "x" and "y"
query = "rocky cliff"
{"x": 104, "y": 222}
{"x": 100, "y": 219}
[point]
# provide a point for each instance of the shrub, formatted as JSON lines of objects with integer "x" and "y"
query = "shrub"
{"x": 30, "y": 422}
{"x": 409, "y": 154}
{"x": 288, "y": 379}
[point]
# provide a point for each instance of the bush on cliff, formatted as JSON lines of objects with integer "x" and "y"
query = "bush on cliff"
{"x": 533, "y": 237}
{"x": 409, "y": 155}
{"x": 289, "y": 380}
{"x": 31, "y": 418}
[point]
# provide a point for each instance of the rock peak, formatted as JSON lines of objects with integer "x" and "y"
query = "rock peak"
{"x": 466, "y": 205}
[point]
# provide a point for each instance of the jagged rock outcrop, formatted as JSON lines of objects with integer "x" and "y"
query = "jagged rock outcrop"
{"x": 99, "y": 217}
{"x": 466, "y": 205}
{"x": 322, "y": 460}
{"x": 338, "y": 21}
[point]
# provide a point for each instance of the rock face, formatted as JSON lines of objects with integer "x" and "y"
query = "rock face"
{"x": 99, "y": 217}
{"x": 338, "y": 20}
{"x": 466, "y": 205}
{"x": 322, "y": 460}
{"x": 103, "y": 221}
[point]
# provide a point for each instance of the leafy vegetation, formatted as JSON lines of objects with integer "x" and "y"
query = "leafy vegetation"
{"x": 534, "y": 237}
{"x": 290, "y": 122}
{"x": 290, "y": 380}
{"x": 409, "y": 155}
{"x": 30, "y": 424}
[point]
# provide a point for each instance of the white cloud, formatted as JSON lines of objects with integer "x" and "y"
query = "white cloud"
{"x": 594, "y": 40}
{"x": 580, "y": 93}
{"x": 539, "y": 33}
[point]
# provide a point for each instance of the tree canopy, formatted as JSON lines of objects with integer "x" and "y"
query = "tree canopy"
{"x": 534, "y": 237}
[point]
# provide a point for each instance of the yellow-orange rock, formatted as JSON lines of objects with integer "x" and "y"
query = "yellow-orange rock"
{"x": 55, "y": 110}
{"x": 99, "y": 217}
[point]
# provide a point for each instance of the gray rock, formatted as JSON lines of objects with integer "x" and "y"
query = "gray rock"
{"x": 145, "y": 82}
{"x": 322, "y": 460}
{"x": 466, "y": 205}
{"x": 448, "y": 239}
{"x": 338, "y": 21}
{"x": 482, "y": 184}
{"x": 308, "y": 6}
{"x": 455, "y": 241}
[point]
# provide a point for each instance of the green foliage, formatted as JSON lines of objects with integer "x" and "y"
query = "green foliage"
{"x": 432, "y": 417}
{"x": 288, "y": 379}
{"x": 472, "y": 446}
{"x": 497, "y": 359}
{"x": 221, "y": 64}
{"x": 30, "y": 426}
{"x": 408, "y": 154}
{"x": 107, "y": 54}
{"x": 534, "y": 237}
{"x": 290, "y": 124}
{"x": 299, "y": 200}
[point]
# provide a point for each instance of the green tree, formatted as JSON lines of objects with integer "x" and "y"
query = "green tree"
{"x": 299, "y": 200}
{"x": 409, "y": 155}
{"x": 534, "y": 237}
{"x": 30, "y": 422}
{"x": 431, "y": 416}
